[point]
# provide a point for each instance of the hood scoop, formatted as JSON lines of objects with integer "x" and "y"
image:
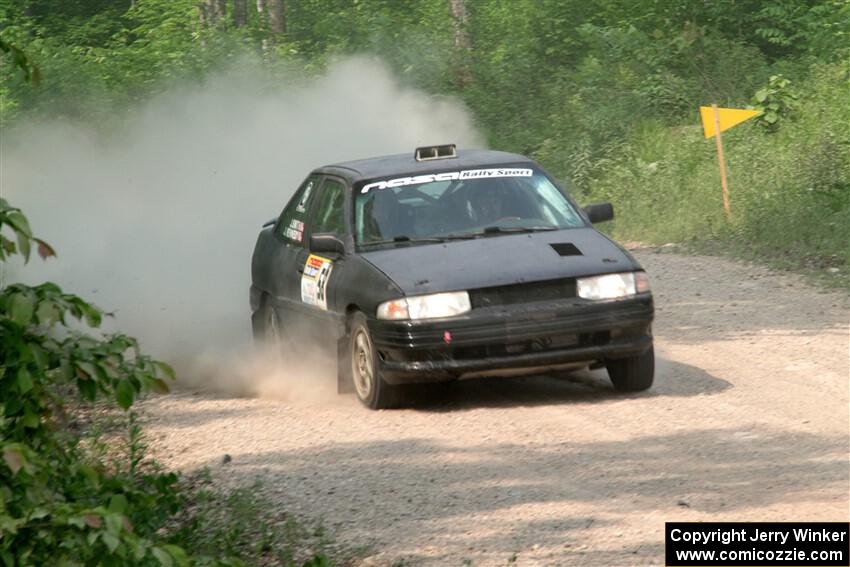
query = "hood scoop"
{"x": 565, "y": 249}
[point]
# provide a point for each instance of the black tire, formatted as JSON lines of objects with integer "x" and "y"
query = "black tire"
{"x": 372, "y": 391}
{"x": 266, "y": 326}
{"x": 633, "y": 374}
{"x": 344, "y": 381}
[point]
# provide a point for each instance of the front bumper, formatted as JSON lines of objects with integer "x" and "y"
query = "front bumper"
{"x": 516, "y": 337}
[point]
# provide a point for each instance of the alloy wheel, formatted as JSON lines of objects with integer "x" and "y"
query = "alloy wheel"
{"x": 362, "y": 364}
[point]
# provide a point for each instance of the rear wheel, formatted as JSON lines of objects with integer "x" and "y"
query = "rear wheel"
{"x": 632, "y": 374}
{"x": 370, "y": 388}
{"x": 267, "y": 328}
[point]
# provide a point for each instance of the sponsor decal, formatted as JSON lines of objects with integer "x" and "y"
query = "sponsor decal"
{"x": 313, "y": 266}
{"x": 293, "y": 234}
{"x": 448, "y": 176}
{"x": 314, "y": 281}
{"x": 297, "y": 225}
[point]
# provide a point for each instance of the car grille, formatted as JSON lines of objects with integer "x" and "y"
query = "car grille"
{"x": 523, "y": 293}
{"x": 542, "y": 344}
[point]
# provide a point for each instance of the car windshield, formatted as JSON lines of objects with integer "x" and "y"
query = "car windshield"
{"x": 459, "y": 204}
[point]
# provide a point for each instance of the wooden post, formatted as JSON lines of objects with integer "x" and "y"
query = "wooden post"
{"x": 726, "y": 208}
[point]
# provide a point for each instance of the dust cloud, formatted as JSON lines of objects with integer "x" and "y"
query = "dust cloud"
{"x": 156, "y": 221}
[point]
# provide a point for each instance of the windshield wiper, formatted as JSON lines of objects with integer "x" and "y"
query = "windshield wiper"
{"x": 461, "y": 236}
{"x": 488, "y": 230}
{"x": 508, "y": 229}
{"x": 404, "y": 239}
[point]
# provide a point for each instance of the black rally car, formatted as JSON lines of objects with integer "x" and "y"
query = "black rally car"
{"x": 446, "y": 264}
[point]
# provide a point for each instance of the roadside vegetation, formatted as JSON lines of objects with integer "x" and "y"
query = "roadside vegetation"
{"x": 77, "y": 486}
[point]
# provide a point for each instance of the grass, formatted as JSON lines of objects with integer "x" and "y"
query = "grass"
{"x": 789, "y": 188}
{"x": 243, "y": 523}
{"x": 212, "y": 522}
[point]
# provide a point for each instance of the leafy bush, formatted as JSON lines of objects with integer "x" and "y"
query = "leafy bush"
{"x": 57, "y": 506}
{"x": 775, "y": 100}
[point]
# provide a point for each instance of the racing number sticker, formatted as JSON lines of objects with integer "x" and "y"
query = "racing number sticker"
{"x": 314, "y": 281}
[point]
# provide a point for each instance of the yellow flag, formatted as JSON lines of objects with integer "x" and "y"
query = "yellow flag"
{"x": 728, "y": 117}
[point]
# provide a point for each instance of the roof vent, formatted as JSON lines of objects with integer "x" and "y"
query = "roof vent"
{"x": 426, "y": 153}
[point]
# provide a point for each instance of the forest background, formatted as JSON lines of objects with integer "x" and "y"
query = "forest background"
{"x": 603, "y": 93}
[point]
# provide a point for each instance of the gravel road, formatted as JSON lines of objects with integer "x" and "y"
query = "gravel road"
{"x": 748, "y": 420}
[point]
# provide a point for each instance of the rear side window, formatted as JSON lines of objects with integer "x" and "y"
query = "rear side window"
{"x": 330, "y": 209}
{"x": 294, "y": 217}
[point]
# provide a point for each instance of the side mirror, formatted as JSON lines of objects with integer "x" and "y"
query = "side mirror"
{"x": 599, "y": 212}
{"x": 327, "y": 243}
{"x": 269, "y": 223}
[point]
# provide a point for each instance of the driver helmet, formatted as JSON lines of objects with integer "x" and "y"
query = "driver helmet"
{"x": 484, "y": 203}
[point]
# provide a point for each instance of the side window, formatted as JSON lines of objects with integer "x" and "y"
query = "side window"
{"x": 291, "y": 225}
{"x": 330, "y": 209}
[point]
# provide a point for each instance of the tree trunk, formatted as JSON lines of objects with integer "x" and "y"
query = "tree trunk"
{"x": 262, "y": 13}
{"x": 272, "y": 20}
{"x": 461, "y": 19}
{"x": 463, "y": 43}
{"x": 215, "y": 11}
{"x": 277, "y": 16}
{"x": 240, "y": 13}
{"x": 211, "y": 12}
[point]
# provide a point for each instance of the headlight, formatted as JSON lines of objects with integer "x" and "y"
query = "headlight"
{"x": 612, "y": 286}
{"x": 425, "y": 306}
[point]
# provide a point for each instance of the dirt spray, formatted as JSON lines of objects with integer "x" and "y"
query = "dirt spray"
{"x": 156, "y": 221}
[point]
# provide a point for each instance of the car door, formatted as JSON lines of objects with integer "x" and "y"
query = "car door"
{"x": 289, "y": 248}
{"x": 320, "y": 273}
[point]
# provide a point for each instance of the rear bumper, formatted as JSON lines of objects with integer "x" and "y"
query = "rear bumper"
{"x": 513, "y": 338}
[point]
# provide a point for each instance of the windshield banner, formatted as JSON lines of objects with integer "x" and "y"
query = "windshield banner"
{"x": 448, "y": 176}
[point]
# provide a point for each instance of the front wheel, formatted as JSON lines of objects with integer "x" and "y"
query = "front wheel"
{"x": 370, "y": 388}
{"x": 632, "y": 374}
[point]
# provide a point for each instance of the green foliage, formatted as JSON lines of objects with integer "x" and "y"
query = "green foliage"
{"x": 59, "y": 504}
{"x": 55, "y": 507}
{"x": 31, "y": 72}
{"x": 19, "y": 227}
{"x": 242, "y": 524}
{"x": 789, "y": 27}
{"x": 789, "y": 189}
{"x": 776, "y": 100}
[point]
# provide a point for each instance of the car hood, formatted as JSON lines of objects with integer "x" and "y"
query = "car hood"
{"x": 501, "y": 260}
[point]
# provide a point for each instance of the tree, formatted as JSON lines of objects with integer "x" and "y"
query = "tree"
{"x": 462, "y": 41}
{"x": 240, "y": 13}
{"x": 277, "y": 16}
{"x": 212, "y": 12}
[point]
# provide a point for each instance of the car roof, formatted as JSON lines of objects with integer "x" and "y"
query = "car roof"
{"x": 386, "y": 166}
